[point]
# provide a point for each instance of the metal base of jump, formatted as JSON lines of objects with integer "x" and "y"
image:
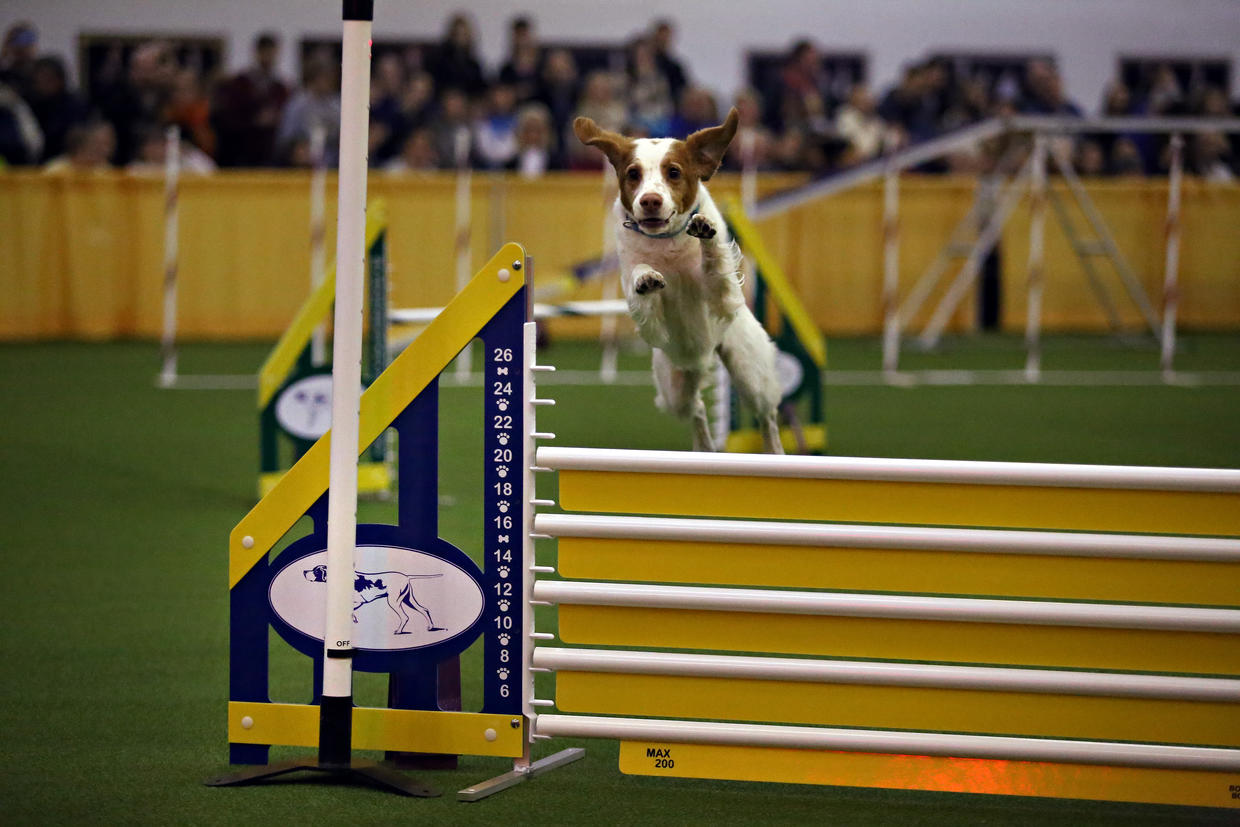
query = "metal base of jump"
{"x": 511, "y": 779}
{"x": 354, "y": 771}
{"x": 334, "y": 759}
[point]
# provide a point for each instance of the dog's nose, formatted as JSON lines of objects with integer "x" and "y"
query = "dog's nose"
{"x": 651, "y": 202}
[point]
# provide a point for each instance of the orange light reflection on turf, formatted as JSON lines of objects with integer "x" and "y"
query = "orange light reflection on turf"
{"x": 969, "y": 775}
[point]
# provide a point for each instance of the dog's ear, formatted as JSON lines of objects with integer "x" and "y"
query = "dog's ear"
{"x": 615, "y": 146}
{"x": 707, "y": 146}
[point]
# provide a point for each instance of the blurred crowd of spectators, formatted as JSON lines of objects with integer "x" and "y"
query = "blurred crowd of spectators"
{"x": 440, "y": 107}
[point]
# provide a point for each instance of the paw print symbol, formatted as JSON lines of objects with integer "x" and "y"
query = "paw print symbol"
{"x": 502, "y": 404}
{"x": 504, "y": 571}
{"x": 504, "y": 605}
{"x": 502, "y": 471}
{"x": 503, "y": 674}
{"x": 503, "y": 439}
{"x": 503, "y": 506}
{"x": 505, "y": 639}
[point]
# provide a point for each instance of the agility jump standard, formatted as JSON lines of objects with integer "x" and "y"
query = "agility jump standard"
{"x": 1029, "y": 629}
{"x": 336, "y": 650}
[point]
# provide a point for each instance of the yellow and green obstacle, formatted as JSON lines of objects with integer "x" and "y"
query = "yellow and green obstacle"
{"x": 294, "y": 394}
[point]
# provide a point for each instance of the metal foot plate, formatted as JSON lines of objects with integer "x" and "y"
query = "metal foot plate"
{"x": 494, "y": 785}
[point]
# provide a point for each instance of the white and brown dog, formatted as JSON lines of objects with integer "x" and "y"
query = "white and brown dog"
{"x": 681, "y": 275}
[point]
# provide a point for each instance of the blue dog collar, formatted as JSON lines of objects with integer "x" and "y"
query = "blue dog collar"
{"x": 631, "y": 224}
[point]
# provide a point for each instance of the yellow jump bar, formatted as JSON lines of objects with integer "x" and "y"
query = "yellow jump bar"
{"x": 921, "y": 772}
{"x": 868, "y": 706}
{"x": 911, "y": 503}
{"x": 1210, "y": 583}
{"x": 1153, "y": 650}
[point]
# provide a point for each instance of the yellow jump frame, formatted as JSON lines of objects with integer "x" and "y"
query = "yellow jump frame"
{"x": 293, "y": 493}
{"x": 282, "y": 359}
{"x": 939, "y": 645}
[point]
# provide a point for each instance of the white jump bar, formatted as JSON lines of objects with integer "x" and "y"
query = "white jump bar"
{"x": 962, "y": 138}
{"x": 962, "y": 609}
{"x": 907, "y": 743}
{"x": 601, "y": 307}
{"x": 1059, "y": 123}
{"x": 970, "y": 135}
{"x": 987, "y": 678}
{"x": 1053, "y": 543}
{"x": 892, "y": 470}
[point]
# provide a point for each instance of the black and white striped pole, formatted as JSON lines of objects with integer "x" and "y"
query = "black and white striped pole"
{"x": 336, "y": 704}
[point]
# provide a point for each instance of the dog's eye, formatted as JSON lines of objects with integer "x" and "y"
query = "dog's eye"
{"x": 635, "y": 174}
{"x": 673, "y": 173}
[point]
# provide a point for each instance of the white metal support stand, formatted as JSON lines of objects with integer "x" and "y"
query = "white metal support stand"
{"x": 986, "y": 241}
{"x": 1171, "y": 287}
{"x": 1105, "y": 244}
{"x": 1037, "y": 232}
{"x": 525, "y": 768}
{"x": 168, "y": 342}
{"x": 891, "y": 269}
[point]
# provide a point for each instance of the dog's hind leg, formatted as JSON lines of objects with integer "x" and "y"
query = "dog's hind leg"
{"x": 771, "y": 442}
{"x": 395, "y": 603}
{"x": 749, "y": 355}
{"x": 411, "y": 601}
{"x": 702, "y": 439}
{"x": 680, "y": 394}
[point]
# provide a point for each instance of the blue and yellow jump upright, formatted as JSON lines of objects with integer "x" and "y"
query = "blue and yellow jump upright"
{"x": 419, "y": 600}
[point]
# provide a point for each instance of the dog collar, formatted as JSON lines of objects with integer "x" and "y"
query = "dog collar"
{"x": 631, "y": 224}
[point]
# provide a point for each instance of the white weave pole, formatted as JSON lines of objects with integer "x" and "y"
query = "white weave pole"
{"x": 168, "y": 339}
{"x": 464, "y": 185}
{"x": 318, "y": 233}
{"x": 1037, "y": 230}
{"x": 611, "y": 286}
{"x": 1171, "y": 287}
{"x": 891, "y": 269}
{"x": 346, "y": 370}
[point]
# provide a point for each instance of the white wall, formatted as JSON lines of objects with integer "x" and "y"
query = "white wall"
{"x": 1087, "y": 35}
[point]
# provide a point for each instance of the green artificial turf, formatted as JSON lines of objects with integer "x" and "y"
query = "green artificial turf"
{"x": 118, "y": 499}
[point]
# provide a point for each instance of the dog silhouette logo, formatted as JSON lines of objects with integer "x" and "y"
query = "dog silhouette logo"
{"x": 316, "y": 405}
{"x": 303, "y": 409}
{"x": 395, "y": 587}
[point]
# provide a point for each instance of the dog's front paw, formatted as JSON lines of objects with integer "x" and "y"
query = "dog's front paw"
{"x": 648, "y": 282}
{"x": 700, "y": 227}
